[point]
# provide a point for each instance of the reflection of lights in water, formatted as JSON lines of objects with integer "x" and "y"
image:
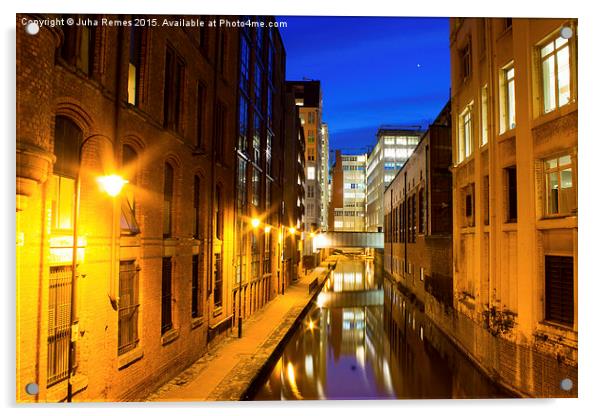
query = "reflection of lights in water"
{"x": 321, "y": 300}
{"x": 320, "y": 390}
{"x": 387, "y": 376}
{"x": 310, "y": 325}
{"x": 421, "y": 334}
{"x": 360, "y": 355}
{"x": 413, "y": 322}
{"x": 309, "y": 366}
{"x": 290, "y": 373}
{"x": 348, "y": 315}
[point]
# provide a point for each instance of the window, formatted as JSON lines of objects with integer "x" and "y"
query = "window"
{"x": 507, "y": 23}
{"x": 134, "y": 66}
{"x": 254, "y": 256}
{"x": 258, "y": 86}
{"x": 166, "y": 318}
{"x": 486, "y": 200}
{"x": 484, "y": 117}
{"x": 268, "y": 153}
{"x": 128, "y": 222}
{"x": 168, "y": 180}
{"x": 78, "y": 47}
{"x": 257, "y": 139}
{"x": 128, "y": 306}
{"x": 468, "y": 193}
{"x": 59, "y": 323}
{"x": 421, "y": 212}
{"x": 197, "y": 289}
{"x": 511, "y": 195}
{"x": 465, "y": 61}
{"x": 173, "y": 90}
{"x": 197, "y": 207}
{"x": 465, "y": 134}
{"x": 311, "y": 173}
{"x": 200, "y": 114}
{"x": 245, "y": 57}
{"x": 555, "y": 74}
{"x": 219, "y": 213}
{"x": 243, "y": 123}
{"x": 508, "y": 105}
{"x": 559, "y": 291}
{"x": 256, "y": 184}
{"x": 67, "y": 139}
{"x": 218, "y": 277}
{"x": 268, "y": 194}
{"x": 311, "y": 138}
{"x": 267, "y": 253}
{"x": 560, "y": 192}
{"x": 311, "y": 117}
{"x": 311, "y": 154}
{"x": 221, "y": 51}
{"x": 310, "y": 191}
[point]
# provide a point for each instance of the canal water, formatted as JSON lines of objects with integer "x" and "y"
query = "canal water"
{"x": 365, "y": 340}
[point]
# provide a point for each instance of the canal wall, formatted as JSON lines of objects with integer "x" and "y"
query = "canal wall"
{"x": 522, "y": 369}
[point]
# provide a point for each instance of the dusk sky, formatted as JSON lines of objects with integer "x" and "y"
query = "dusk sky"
{"x": 373, "y": 71}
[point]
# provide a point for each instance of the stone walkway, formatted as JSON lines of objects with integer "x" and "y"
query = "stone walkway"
{"x": 227, "y": 371}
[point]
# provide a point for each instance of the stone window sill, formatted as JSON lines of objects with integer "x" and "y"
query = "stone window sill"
{"x": 170, "y": 336}
{"x": 130, "y": 357}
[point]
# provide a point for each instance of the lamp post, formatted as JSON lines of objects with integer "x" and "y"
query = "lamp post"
{"x": 112, "y": 185}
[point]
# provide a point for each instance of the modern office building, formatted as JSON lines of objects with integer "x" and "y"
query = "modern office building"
{"x": 308, "y": 97}
{"x": 394, "y": 145}
{"x": 515, "y": 184}
{"x": 117, "y": 293}
{"x": 348, "y": 203}
{"x": 324, "y": 178}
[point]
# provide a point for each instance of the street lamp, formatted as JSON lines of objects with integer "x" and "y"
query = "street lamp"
{"x": 112, "y": 185}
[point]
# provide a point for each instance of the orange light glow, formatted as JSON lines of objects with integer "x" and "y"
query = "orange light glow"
{"x": 267, "y": 229}
{"x": 292, "y": 230}
{"x": 255, "y": 222}
{"x": 111, "y": 184}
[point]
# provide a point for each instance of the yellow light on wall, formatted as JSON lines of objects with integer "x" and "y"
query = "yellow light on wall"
{"x": 292, "y": 230}
{"x": 255, "y": 222}
{"x": 267, "y": 229}
{"x": 111, "y": 184}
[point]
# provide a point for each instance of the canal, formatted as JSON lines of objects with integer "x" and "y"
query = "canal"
{"x": 365, "y": 340}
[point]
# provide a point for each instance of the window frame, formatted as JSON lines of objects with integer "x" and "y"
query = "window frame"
{"x": 540, "y": 61}
{"x": 558, "y": 169}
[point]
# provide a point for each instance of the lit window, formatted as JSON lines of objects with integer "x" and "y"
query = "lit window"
{"x": 508, "y": 106}
{"x": 465, "y": 134}
{"x": 556, "y": 74}
{"x": 134, "y": 65}
{"x": 484, "y": 110}
{"x": 560, "y": 192}
{"x": 311, "y": 173}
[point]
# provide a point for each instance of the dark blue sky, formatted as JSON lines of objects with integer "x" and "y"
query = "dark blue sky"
{"x": 368, "y": 67}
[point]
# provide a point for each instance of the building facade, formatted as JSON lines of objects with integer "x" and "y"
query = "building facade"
{"x": 394, "y": 145}
{"x": 259, "y": 170}
{"x": 418, "y": 217}
{"x": 514, "y": 115}
{"x": 348, "y": 204}
{"x": 308, "y": 97}
{"x": 116, "y": 295}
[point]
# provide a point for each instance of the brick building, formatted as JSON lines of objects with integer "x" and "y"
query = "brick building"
{"x": 514, "y": 113}
{"x": 418, "y": 216}
{"x": 153, "y": 281}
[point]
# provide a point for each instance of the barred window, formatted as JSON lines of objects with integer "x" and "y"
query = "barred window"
{"x": 128, "y": 306}
{"x": 59, "y": 324}
{"x": 166, "y": 316}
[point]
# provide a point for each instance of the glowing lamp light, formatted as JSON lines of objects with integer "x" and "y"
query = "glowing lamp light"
{"x": 111, "y": 184}
{"x": 292, "y": 230}
{"x": 311, "y": 325}
{"x": 255, "y": 222}
{"x": 321, "y": 300}
{"x": 267, "y": 229}
{"x": 312, "y": 234}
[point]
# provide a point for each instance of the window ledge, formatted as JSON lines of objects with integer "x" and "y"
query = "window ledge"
{"x": 554, "y": 114}
{"x": 507, "y": 135}
{"x": 196, "y": 322}
{"x": 170, "y": 336}
{"x": 467, "y": 230}
{"x": 548, "y": 223}
{"x": 509, "y": 226}
{"x": 567, "y": 333}
{"x": 130, "y": 357}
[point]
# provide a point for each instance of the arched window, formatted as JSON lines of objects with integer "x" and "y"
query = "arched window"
{"x": 67, "y": 139}
{"x": 129, "y": 163}
{"x": 168, "y": 180}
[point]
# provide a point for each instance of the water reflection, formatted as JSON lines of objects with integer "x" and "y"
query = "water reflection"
{"x": 369, "y": 349}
